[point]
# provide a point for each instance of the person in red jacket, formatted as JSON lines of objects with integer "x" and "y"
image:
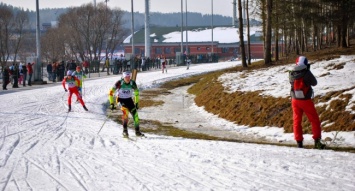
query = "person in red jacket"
{"x": 301, "y": 80}
{"x": 73, "y": 83}
{"x": 30, "y": 72}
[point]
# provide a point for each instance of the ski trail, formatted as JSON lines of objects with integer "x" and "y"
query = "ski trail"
{"x": 9, "y": 176}
{"x": 40, "y": 122}
{"x": 11, "y": 146}
{"x": 76, "y": 174}
{"x": 46, "y": 172}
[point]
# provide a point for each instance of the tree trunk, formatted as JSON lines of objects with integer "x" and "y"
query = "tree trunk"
{"x": 241, "y": 36}
{"x": 344, "y": 30}
{"x": 267, "y": 46}
{"x": 339, "y": 35}
{"x": 276, "y": 34}
{"x": 248, "y": 33}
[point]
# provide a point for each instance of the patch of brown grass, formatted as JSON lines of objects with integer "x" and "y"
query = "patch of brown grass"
{"x": 244, "y": 108}
{"x": 334, "y": 66}
{"x": 149, "y": 97}
{"x": 181, "y": 82}
{"x": 150, "y": 103}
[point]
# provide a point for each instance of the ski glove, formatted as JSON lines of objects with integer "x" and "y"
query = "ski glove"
{"x": 65, "y": 90}
{"x": 112, "y": 106}
{"x": 137, "y": 106}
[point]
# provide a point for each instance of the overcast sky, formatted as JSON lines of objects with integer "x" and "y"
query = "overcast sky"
{"x": 221, "y": 7}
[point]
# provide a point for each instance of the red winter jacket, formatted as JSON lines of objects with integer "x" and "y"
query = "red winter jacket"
{"x": 29, "y": 68}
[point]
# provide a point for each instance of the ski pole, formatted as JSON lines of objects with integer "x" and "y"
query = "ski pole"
{"x": 63, "y": 96}
{"x": 83, "y": 86}
{"x": 108, "y": 116}
{"x": 104, "y": 123}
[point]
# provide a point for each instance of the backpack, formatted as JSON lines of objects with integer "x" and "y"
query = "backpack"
{"x": 300, "y": 88}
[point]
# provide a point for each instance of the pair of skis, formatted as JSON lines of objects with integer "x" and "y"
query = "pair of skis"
{"x": 127, "y": 137}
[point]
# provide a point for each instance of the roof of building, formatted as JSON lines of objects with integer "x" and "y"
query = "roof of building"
{"x": 221, "y": 34}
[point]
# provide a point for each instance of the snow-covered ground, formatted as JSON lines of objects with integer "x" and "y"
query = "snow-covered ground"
{"x": 42, "y": 147}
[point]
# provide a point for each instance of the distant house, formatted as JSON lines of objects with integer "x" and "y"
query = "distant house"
{"x": 52, "y": 24}
{"x": 167, "y": 41}
{"x": 46, "y": 26}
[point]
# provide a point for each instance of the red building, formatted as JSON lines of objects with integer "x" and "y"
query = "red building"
{"x": 167, "y": 41}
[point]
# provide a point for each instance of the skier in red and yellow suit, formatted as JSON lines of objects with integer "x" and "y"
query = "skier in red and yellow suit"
{"x": 73, "y": 83}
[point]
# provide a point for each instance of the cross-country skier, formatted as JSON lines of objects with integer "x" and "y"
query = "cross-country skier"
{"x": 164, "y": 64}
{"x": 301, "y": 80}
{"x": 188, "y": 61}
{"x": 80, "y": 75}
{"x": 125, "y": 88}
{"x": 73, "y": 83}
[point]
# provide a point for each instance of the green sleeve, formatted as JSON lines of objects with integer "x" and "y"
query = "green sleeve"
{"x": 110, "y": 95}
{"x": 136, "y": 96}
{"x": 136, "y": 92}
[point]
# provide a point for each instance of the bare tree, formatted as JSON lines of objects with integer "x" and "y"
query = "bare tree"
{"x": 21, "y": 22}
{"x": 52, "y": 45}
{"x": 241, "y": 35}
{"x": 248, "y": 30}
{"x": 12, "y": 27}
{"x": 90, "y": 30}
{"x": 5, "y": 32}
{"x": 267, "y": 45}
{"x": 117, "y": 33}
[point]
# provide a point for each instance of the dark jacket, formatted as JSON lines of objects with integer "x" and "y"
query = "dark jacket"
{"x": 308, "y": 79}
{"x": 24, "y": 69}
{"x": 61, "y": 68}
{"x": 72, "y": 66}
{"x": 49, "y": 68}
{"x": 6, "y": 74}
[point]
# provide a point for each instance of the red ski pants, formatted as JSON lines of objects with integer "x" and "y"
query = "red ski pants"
{"x": 76, "y": 92}
{"x": 306, "y": 106}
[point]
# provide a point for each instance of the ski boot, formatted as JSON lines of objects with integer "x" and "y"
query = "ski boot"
{"x": 139, "y": 133}
{"x": 86, "y": 109}
{"x": 69, "y": 109}
{"x": 300, "y": 144}
{"x": 125, "y": 133}
{"x": 318, "y": 144}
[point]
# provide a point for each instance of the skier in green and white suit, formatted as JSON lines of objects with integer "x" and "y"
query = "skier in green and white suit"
{"x": 80, "y": 75}
{"x": 125, "y": 88}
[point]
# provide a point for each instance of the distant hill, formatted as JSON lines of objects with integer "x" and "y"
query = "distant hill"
{"x": 174, "y": 19}
{"x": 156, "y": 18}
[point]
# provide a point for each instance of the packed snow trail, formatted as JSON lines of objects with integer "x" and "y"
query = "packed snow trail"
{"x": 42, "y": 147}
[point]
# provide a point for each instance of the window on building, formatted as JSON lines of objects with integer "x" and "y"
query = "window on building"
{"x": 167, "y": 50}
{"x": 198, "y": 48}
{"x": 207, "y": 48}
{"x": 158, "y": 51}
{"x": 177, "y": 50}
{"x": 137, "y": 51}
{"x": 225, "y": 50}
